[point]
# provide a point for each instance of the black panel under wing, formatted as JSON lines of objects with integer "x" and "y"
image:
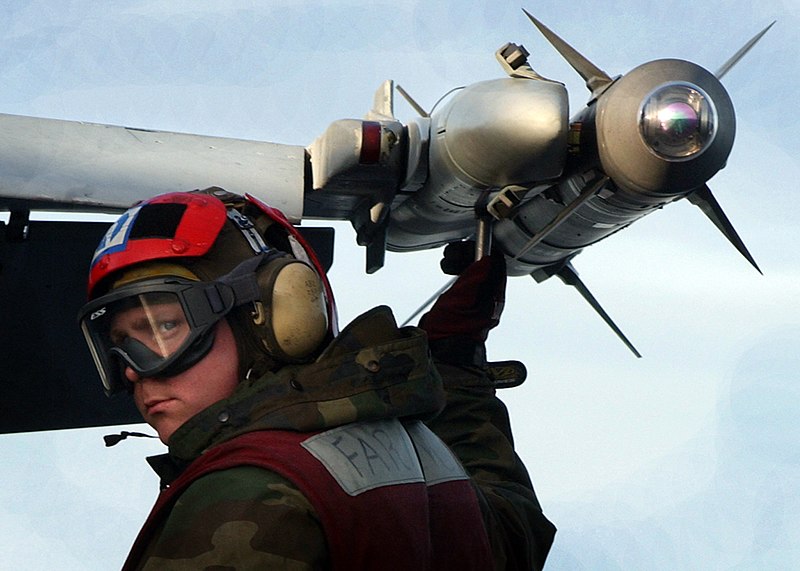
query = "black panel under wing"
{"x": 47, "y": 379}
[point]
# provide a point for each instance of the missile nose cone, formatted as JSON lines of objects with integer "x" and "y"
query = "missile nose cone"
{"x": 678, "y": 121}
{"x": 666, "y": 127}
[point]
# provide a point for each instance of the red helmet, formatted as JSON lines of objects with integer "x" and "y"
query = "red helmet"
{"x": 202, "y": 256}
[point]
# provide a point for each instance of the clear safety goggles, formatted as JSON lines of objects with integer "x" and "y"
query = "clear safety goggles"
{"x": 162, "y": 326}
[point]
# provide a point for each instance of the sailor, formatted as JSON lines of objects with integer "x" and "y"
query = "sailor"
{"x": 292, "y": 445}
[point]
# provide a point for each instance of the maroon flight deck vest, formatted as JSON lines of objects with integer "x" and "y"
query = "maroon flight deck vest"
{"x": 389, "y": 496}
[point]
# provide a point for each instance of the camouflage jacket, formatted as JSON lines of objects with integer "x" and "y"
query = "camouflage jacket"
{"x": 371, "y": 371}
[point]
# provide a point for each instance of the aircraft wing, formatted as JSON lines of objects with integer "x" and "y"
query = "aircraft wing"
{"x": 55, "y": 164}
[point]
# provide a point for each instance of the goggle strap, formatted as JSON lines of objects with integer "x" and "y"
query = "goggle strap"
{"x": 242, "y": 279}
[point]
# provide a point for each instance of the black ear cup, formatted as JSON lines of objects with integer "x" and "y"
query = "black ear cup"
{"x": 293, "y": 319}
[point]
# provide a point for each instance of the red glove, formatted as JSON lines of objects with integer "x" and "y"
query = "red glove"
{"x": 473, "y": 304}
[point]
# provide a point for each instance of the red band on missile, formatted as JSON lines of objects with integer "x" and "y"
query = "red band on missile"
{"x": 370, "y": 143}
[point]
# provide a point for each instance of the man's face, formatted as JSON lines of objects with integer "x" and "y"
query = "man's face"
{"x": 166, "y": 403}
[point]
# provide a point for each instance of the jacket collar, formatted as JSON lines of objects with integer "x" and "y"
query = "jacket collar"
{"x": 372, "y": 370}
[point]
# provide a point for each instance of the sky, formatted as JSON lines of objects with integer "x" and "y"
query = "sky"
{"x": 686, "y": 458}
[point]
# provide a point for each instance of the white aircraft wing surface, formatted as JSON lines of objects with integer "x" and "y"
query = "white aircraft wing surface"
{"x": 49, "y": 163}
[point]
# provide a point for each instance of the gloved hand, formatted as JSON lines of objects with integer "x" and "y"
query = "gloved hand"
{"x": 473, "y": 304}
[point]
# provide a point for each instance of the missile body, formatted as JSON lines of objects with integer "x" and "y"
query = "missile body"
{"x": 647, "y": 139}
{"x": 489, "y": 135}
{"x": 507, "y": 147}
{"x": 651, "y": 137}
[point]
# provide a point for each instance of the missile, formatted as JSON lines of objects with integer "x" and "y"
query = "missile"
{"x": 552, "y": 184}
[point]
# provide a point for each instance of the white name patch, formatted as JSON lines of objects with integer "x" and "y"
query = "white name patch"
{"x": 367, "y": 455}
{"x": 438, "y": 461}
